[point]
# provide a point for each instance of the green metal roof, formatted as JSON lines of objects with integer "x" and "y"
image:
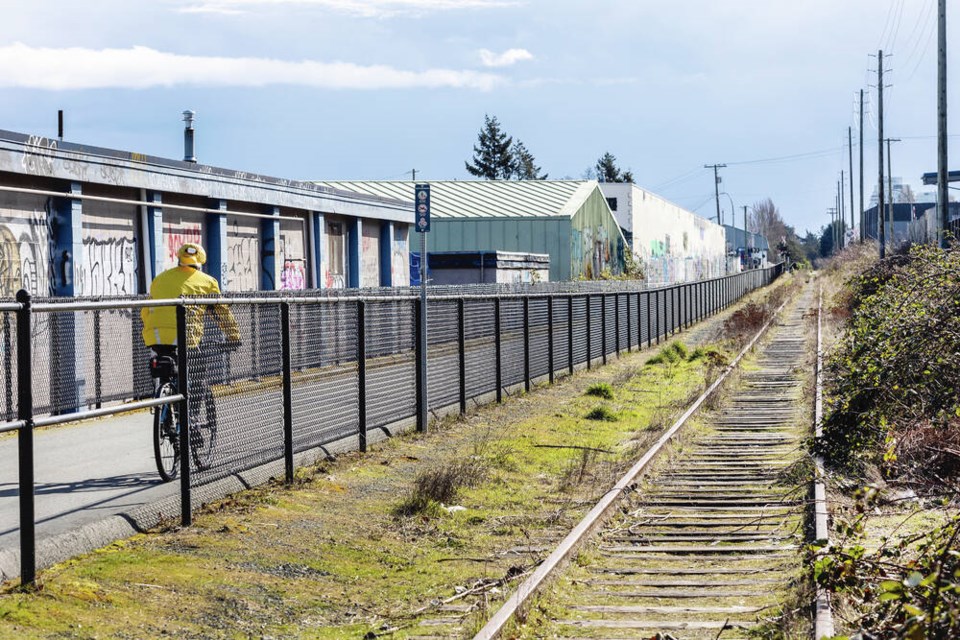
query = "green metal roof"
{"x": 484, "y": 198}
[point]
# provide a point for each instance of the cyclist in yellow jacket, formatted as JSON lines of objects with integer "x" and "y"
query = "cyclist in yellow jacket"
{"x": 186, "y": 279}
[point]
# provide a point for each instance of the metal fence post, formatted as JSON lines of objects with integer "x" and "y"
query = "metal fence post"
{"x": 499, "y": 344}
{"x": 550, "y": 363}
{"x": 629, "y": 320}
{"x": 462, "y": 353}
{"x": 183, "y": 382}
{"x": 656, "y": 297}
{"x": 421, "y": 369}
{"x": 649, "y": 320}
{"x": 616, "y": 321}
{"x": 361, "y": 376}
{"x": 526, "y": 343}
{"x": 603, "y": 327}
{"x": 589, "y": 333}
{"x": 287, "y": 390}
{"x": 570, "y": 359}
{"x": 28, "y": 540}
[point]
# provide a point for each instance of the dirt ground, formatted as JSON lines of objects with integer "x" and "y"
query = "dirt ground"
{"x": 422, "y": 530}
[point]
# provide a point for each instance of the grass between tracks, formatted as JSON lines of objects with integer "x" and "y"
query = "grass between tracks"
{"x": 362, "y": 545}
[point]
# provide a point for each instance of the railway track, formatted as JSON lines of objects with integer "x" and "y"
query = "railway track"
{"x": 706, "y": 546}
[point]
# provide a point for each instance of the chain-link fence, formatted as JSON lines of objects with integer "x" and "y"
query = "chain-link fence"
{"x": 263, "y": 377}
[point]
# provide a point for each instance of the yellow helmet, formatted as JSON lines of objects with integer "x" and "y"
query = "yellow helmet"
{"x": 191, "y": 254}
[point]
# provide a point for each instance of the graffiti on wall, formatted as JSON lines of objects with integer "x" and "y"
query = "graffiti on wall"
{"x": 592, "y": 252}
{"x": 244, "y": 260}
{"x": 109, "y": 268}
{"x": 25, "y": 252}
{"x": 177, "y": 237}
{"x": 294, "y": 274}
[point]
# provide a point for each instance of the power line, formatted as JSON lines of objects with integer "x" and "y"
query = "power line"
{"x": 797, "y": 156}
{"x": 678, "y": 179}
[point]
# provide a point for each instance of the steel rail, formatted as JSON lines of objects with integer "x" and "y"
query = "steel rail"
{"x": 823, "y": 622}
{"x": 532, "y": 585}
{"x": 95, "y": 305}
{"x": 13, "y": 425}
{"x": 106, "y": 411}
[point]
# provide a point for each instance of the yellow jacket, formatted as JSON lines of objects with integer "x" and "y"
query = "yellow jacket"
{"x": 160, "y": 323}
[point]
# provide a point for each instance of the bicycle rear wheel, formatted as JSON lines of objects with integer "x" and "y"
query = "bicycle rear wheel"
{"x": 203, "y": 432}
{"x": 166, "y": 435}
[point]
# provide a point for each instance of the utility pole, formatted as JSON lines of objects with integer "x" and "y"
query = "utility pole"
{"x": 840, "y": 194}
{"x": 833, "y": 230}
{"x": 413, "y": 174}
{"x": 880, "y": 200}
{"x": 890, "y": 189}
{"x": 943, "y": 198}
{"x": 746, "y": 234}
{"x": 862, "y": 220}
{"x": 716, "y": 187}
{"x": 840, "y": 204}
{"x": 853, "y": 223}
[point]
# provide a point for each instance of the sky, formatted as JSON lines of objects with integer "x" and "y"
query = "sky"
{"x": 372, "y": 89}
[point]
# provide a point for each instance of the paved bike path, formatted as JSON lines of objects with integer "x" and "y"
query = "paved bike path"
{"x": 72, "y": 488}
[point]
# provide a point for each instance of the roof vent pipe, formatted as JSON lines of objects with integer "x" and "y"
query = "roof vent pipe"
{"x": 188, "y": 154}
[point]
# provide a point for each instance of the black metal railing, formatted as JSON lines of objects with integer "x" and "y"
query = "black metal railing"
{"x": 315, "y": 368}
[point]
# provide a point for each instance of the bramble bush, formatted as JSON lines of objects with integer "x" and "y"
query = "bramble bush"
{"x": 893, "y": 381}
{"x": 906, "y": 589}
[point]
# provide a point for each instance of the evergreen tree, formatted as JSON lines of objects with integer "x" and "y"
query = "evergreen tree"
{"x": 608, "y": 171}
{"x": 525, "y": 166}
{"x": 492, "y": 155}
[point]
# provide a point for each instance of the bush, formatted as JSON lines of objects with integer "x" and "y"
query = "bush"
{"x": 600, "y": 390}
{"x": 892, "y": 387}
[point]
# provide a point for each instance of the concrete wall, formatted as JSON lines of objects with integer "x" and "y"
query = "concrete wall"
{"x": 674, "y": 244}
{"x": 400, "y": 256}
{"x": 370, "y": 254}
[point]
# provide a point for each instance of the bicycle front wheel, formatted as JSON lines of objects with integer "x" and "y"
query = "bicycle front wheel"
{"x": 166, "y": 435}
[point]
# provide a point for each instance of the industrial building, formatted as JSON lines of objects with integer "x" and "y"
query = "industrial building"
{"x": 675, "y": 245}
{"x": 569, "y": 220}
{"x": 78, "y": 220}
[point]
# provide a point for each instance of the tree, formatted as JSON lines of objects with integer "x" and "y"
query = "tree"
{"x": 608, "y": 171}
{"x": 766, "y": 220}
{"x": 524, "y": 165}
{"x": 492, "y": 155}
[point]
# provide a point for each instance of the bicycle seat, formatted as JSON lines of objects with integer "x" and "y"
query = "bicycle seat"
{"x": 163, "y": 367}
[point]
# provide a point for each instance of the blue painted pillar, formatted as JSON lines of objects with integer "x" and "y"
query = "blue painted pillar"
{"x": 154, "y": 236}
{"x": 269, "y": 247}
{"x": 386, "y": 253}
{"x": 355, "y": 250}
{"x": 216, "y": 242}
{"x": 66, "y": 226}
{"x": 318, "y": 248}
{"x": 66, "y": 229}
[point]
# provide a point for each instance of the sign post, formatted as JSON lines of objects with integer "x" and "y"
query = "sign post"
{"x": 421, "y": 204}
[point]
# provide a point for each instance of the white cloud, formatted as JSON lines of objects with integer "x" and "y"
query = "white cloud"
{"x": 505, "y": 59}
{"x": 361, "y": 8}
{"x": 141, "y": 68}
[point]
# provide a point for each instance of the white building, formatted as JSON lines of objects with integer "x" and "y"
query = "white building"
{"x": 674, "y": 244}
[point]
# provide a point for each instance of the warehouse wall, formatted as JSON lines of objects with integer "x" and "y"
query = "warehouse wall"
{"x": 674, "y": 244}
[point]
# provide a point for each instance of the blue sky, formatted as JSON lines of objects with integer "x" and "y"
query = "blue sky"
{"x": 369, "y": 89}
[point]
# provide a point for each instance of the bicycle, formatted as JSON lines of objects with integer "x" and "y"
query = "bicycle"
{"x": 166, "y": 421}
